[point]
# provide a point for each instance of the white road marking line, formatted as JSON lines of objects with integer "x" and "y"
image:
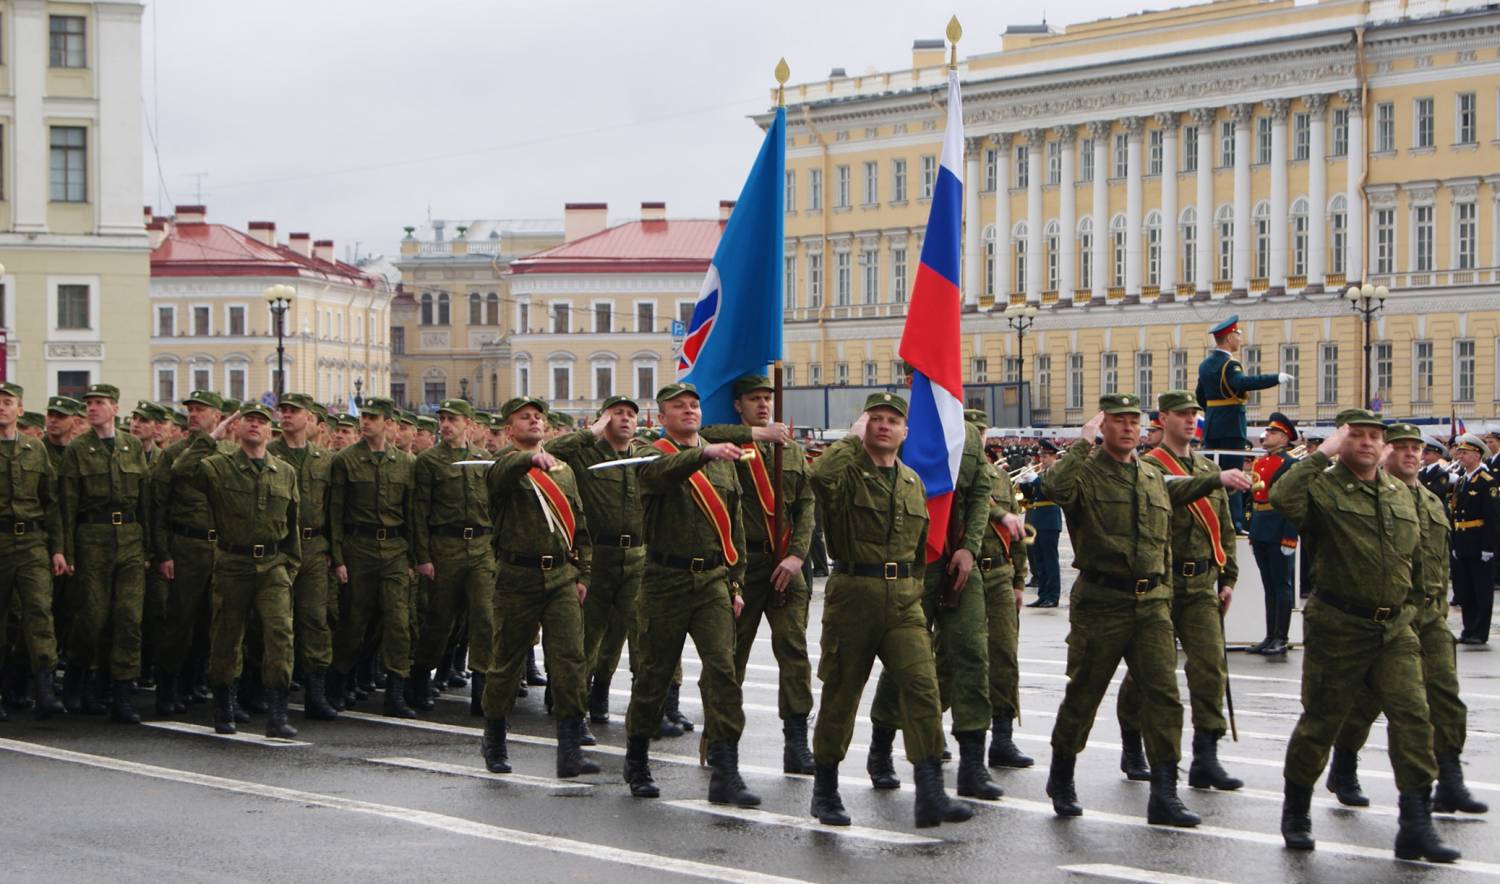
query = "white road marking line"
{"x": 808, "y": 824}
{"x": 1489, "y": 735}
{"x": 480, "y": 773}
{"x": 441, "y": 822}
{"x": 1112, "y": 872}
{"x": 200, "y": 730}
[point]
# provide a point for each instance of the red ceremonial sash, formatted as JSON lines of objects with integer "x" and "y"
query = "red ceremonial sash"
{"x": 767, "y": 496}
{"x": 1201, "y": 509}
{"x": 709, "y": 501}
{"x": 556, "y": 499}
{"x": 1003, "y": 534}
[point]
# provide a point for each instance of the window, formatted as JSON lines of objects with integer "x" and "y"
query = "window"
{"x": 1122, "y": 155}
{"x": 815, "y": 374}
{"x": 1262, "y": 140}
{"x": 202, "y": 378}
{"x": 1328, "y": 374}
{"x": 1154, "y": 158}
{"x": 872, "y": 373}
{"x": 604, "y": 381}
{"x": 1144, "y": 385}
{"x": 1250, "y": 359}
{"x": 1054, "y": 162}
{"x": 1340, "y": 132}
{"x": 1467, "y": 122}
{"x": 65, "y": 35}
{"x": 523, "y": 316}
{"x": 1086, "y": 253}
{"x": 1023, "y": 166}
{"x": 815, "y": 190}
{"x": 1299, "y": 238}
{"x": 166, "y": 384}
{"x": 991, "y": 169}
{"x": 1011, "y": 370}
{"x": 1291, "y": 363}
{"x": 1043, "y": 375}
{"x": 560, "y": 318}
{"x": 1262, "y": 221}
{"x": 523, "y": 380}
{"x": 1086, "y": 160}
{"x": 814, "y": 280}
{"x": 1385, "y": 240}
{"x": 1422, "y": 123}
{"x": 1338, "y": 222}
{"x": 1422, "y": 370}
{"x": 562, "y": 382}
{"x": 869, "y": 263}
{"x": 434, "y": 391}
{"x": 1153, "y": 249}
{"x": 1190, "y": 148}
{"x": 898, "y": 180}
{"x": 491, "y": 312}
{"x": 1018, "y": 244}
{"x": 398, "y": 341}
{"x": 426, "y": 310}
{"x": 1463, "y": 371}
{"x": 236, "y": 317}
{"x": 1180, "y": 370}
{"x": 1466, "y": 235}
{"x": 74, "y": 383}
{"x": 166, "y": 322}
{"x": 1226, "y": 144}
{"x": 645, "y": 317}
{"x": 789, "y": 282}
{"x": 1421, "y": 217}
{"x": 235, "y": 381}
{"x": 898, "y": 275}
{"x": 1225, "y": 221}
{"x": 685, "y": 312}
{"x": 645, "y": 381}
{"x": 842, "y": 282}
{"x": 476, "y": 308}
{"x": 69, "y": 164}
{"x": 1052, "y": 255}
{"x": 1109, "y": 373}
{"x": 1075, "y": 380}
{"x": 1385, "y": 127}
{"x": 872, "y": 183}
{"x": 1302, "y": 136}
{"x": 1189, "y": 246}
{"x": 1384, "y": 369}
{"x": 898, "y": 373}
{"x": 841, "y": 373}
{"x": 929, "y": 175}
{"x": 442, "y": 309}
{"x": 789, "y": 192}
{"x": 202, "y": 319}
{"x": 841, "y": 187}
{"x": 604, "y": 318}
{"x": 1117, "y": 237}
{"x": 979, "y": 370}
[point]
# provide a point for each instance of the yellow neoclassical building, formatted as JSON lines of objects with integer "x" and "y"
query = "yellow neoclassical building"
{"x": 1137, "y": 179}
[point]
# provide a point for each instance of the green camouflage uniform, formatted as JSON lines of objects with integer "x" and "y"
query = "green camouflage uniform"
{"x": 370, "y": 498}
{"x": 1004, "y": 574}
{"x": 30, "y": 532}
{"x": 313, "y": 465}
{"x": 451, "y": 528}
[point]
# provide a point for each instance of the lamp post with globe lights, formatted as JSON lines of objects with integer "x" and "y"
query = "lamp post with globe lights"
{"x": 1021, "y": 317}
{"x": 1367, "y": 300}
{"x": 279, "y": 299}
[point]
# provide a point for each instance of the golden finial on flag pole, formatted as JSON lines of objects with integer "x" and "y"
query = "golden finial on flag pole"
{"x": 955, "y": 31}
{"x": 783, "y": 73}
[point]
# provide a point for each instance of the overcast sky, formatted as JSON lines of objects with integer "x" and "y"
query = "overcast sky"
{"x": 352, "y": 118}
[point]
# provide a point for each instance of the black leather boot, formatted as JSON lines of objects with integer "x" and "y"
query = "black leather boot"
{"x": 492, "y": 746}
{"x": 1164, "y": 808}
{"x": 973, "y": 777}
{"x": 253, "y": 692}
{"x": 638, "y": 768}
{"x": 827, "y": 806}
{"x": 333, "y": 688}
{"x": 933, "y": 806}
{"x": 1205, "y": 771}
{"x": 419, "y": 690}
{"x": 224, "y": 710}
{"x": 1133, "y": 757}
{"x": 240, "y": 715}
{"x": 673, "y": 709}
{"x": 276, "y": 723}
{"x": 570, "y": 760}
{"x": 1451, "y": 795}
{"x": 48, "y": 705}
{"x": 1003, "y": 750}
{"x": 585, "y": 736}
{"x": 1417, "y": 839}
{"x": 1296, "y": 817}
{"x": 878, "y": 765}
{"x": 534, "y": 675}
{"x": 725, "y": 785}
{"x": 795, "y": 756}
{"x": 96, "y": 694}
{"x": 1343, "y": 779}
{"x": 73, "y": 689}
{"x": 120, "y": 709}
{"x": 395, "y": 697}
{"x": 599, "y": 701}
{"x": 476, "y": 695}
{"x": 669, "y": 728}
{"x": 315, "y": 704}
{"x": 1060, "y": 785}
{"x": 166, "y": 693}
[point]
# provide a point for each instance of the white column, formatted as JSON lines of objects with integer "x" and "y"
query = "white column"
{"x": 973, "y": 247}
{"x": 1279, "y": 108}
{"x": 1240, "y": 286}
{"x": 1002, "y": 219}
{"x": 1135, "y": 128}
{"x": 1067, "y": 216}
{"x": 28, "y": 70}
{"x": 118, "y": 141}
{"x": 1099, "y": 131}
{"x": 1203, "y": 259}
{"x": 1036, "y": 146}
{"x": 1317, "y": 193}
{"x": 1167, "y": 122}
{"x": 1356, "y": 222}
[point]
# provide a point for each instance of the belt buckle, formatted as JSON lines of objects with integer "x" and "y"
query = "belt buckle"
{"x": 468, "y": 534}
{"x": 307, "y": 534}
{"x": 547, "y": 562}
{"x": 18, "y": 528}
{"x": 1382, "y": 615}
{"x": 987, "y": 563}
{"x": 1143, "y": 586}
{"x": 625, "y": 541}
{"x": 212, "y": 535}
{"x": 117, "y": 518}
{"x": 893, "y": 570}
{"x": 380, "y": 534}
{"x": 1189, "y": 569}
{"x": 698, "y": 565}
{"x": 258, "y": 551}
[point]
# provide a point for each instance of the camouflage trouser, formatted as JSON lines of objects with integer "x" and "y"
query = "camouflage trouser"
{"x": 464, "y": 582}
{"x": 109, "y": 582}
{"x": 310, "y": 605}
{"x": 1004, "y": 638}
{"x": 244, "y": 592}
{"x": 187, "y": 593}
{"x": 26, "y": 589}
{"x": 788, "y": 635}
{"x": 1450, "y": 717}
{"x": 865, "y": 618}
{"x": 526, "y": 598}
{"x": 1107, "y": 625}
{"x": 378, "y": 595}
{"x": 609, "y": 611}
{"x": 1347, "y": 655}
{"x": 1195, "y": 618}
{"x": 961, "y": 643}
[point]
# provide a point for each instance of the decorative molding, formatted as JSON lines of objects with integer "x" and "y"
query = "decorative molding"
{"x": 1278, "y": 108}
{"x": 1004, "y": 140}
{"x": 973, "y": 145}
{"x": 1317, "y": 103}
{"x": 1134, "y": 127}
{"x": 68, "y": 351}
{"x": 1065, "y": 134}
{"x": 1035, "y": 138}
{"x": 1167, "y": 120}
{"x": 1240, "y": 112}
{"x": 1352, "y": 98}
{"x": 1099, "y": 129}
{"x": 1204, "y": 117}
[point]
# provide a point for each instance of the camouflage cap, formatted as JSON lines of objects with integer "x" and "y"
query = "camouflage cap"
{"x": 1471, "y": 442}
{"x": 886, "y": 400}
{"x": 379, "y": 406}
{"x": 406, "y": 417}
{"x": 65, "y": 405}
{"x": 33, "y": 419}
{"x": 102, "y": 391}
{"x": 750, "y": 383}
{"x": 617, "y": 399}
{"x": 1120, "y": 403}
{"x": 483, "y": 418}
{"x": 230, "y": 406}
{"x": 298, "y": 400}
{"x": 519, "y": 403}
{"x": 559, "y": 420}
{"x": 1358, "y": 417}
{"x": 255, "y": 408}
{"x": 459, "y": 407}
{"x": 318, "y": 408}
{"x": 178, "y": 418}
{"x": 1177, "y": 400}
{"x": 146, "y": 410}
{"x": 672, "y": 391}
{"x": 429, "y": 424}
{"x": 345, "y": 419}
{"x": 11, "y": 389}
{"x": 205, "y": 397}
{"x": 1399, "y": 432}
{"x": 976, "y": 416}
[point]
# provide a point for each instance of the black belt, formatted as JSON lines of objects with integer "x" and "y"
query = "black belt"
{"x": 195, "y": 533}
{"x": 1378, "y": 615}
{"x": 887, "y": 570}
{"x": 466, "y": 532}
{"x": 311, "y": 533}
{"x": 373, "y": 532}
{"x": 254, "y": 551}
{"x": 19, "y": 527}
{"x": 695, "y": 564}
{"x": 118, "y": 518}
{"x": 1137, "y": 585}
{"x": 1191, "y": 569}
{"x": 627, "y": 541}
{"x": 546, "y": 563}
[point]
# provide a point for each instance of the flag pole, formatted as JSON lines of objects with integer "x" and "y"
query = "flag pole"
{"x": 779, "y": 600}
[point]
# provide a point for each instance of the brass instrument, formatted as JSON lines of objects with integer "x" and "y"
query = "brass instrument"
{"x": 1030, "y": 537}
{"x": 1023, "y": 473}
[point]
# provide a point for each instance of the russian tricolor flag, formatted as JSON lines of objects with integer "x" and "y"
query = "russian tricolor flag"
{"x": 930, "y": 342}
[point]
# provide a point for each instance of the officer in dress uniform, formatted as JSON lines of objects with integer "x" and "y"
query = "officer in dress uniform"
{"x": 1435, "y": 474}
{"x": 1273, "y": 539}
{"x": 1223, "y": 389}
{"x": 1044, "y": 517}
{"x": 1475, "y": 508}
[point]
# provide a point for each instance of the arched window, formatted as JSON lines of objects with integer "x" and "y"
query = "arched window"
{"x": 1153, "y": 248}
{"x": 442, "y": 309}
{"x": 1188, "y": 223}
{"x": 492, "y": 309}
{"x": 1050, "y": 235}
{"x": 1261, "y": 221}
{"x": 476, "y": 308}
{"x": 426, "y": 309}
{"x": 1018, "y": 242}
{"x": 989, "y": 260}
{"x": 1338, "y": 233}
{"x": 1086, "y": 253}
{"x": 1117, "y": 241}
{"x": 1224, "y": 220}
{"x": 1299, "y": 238}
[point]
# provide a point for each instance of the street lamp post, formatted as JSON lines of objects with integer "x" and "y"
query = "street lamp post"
{"x": 1021, "y": 317}
{"x": 1367, "y": 300}
{"x": 359, "y": 384}
{"x": 4, "y": 346}
{"x": 279, "y": 299}
{"x": 463, "y": 389}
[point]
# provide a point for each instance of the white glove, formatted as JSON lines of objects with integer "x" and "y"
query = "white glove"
{"x": 1288, "y": 550}
{"x": 1285, "y": 378}
{"x": 1485, "y": 557}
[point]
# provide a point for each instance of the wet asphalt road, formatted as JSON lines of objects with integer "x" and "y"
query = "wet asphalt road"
{"x": 373, "y": 799}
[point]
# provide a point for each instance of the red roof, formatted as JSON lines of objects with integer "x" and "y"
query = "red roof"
{"x": 636, "y": 247}
{"x": 201, "y": 249}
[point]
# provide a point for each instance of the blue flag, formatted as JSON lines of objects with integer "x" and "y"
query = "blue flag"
{"x": 736, "y": 325}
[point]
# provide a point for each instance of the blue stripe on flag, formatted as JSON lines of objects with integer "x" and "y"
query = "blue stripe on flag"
{"x": 926, "y": 448}
{"x": 940, "y": 248}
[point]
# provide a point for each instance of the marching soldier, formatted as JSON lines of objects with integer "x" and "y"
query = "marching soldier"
{"x": 774, "y": 586}
{"x": 1436, "y": 475}
{"x": 1203, "y": 577}
{"x": 251, "y": 499}
{"x": 1223, "y": 390}
{"x": 312, "y": 464}
{"x": 1002, "y": 567}
{"x": 105, "y": 508}
{"x": 1366, "y": 531}
{"x": 1119, "y": 509}
{"x": 370, "y": 497}
{"x": 62, "y": 426}
{"x": 1476, "y": 536}
{"x": 451, "y": 544}
{"x": 694, "y": 571}
{"x": 873, "y": 608}
{"x": 427, "y": 434}
{"x": 1439, "y": 666}
{"x": 1273, "y": 538}
{"x": 544, "y": 556}
{"x": 1044, "y": 516}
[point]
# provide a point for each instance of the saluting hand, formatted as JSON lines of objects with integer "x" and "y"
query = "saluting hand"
{"x": 1235, "y": 480}
{"x": 599, "y": 425}
{"x": 857, "y": 429}
{"x": 722, "y": 451}
{"x": 1335, "y": 441}
{"x": 1090, "y": 430}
